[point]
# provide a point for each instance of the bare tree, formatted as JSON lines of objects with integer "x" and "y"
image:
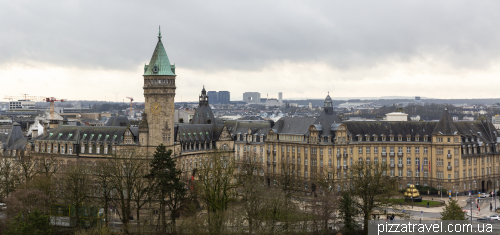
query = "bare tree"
{"x": 324, "y": 205}
{"x": 125, "y": 172}
{"x": 251, "y": 191}
{"x": 75, "y": 187}
{"x": 371, "y": 188}
{"x": 103, "y": 180}
{"x": 28, "y": 169}
{"x": 8, "y": 176}
{"x": 216, "y": 184}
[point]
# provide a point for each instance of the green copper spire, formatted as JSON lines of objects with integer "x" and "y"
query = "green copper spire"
{"x": 159, "y": 63}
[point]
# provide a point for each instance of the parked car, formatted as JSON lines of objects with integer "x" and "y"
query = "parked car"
{"x": 497, "y": 210}
{"x": 484, "y": 218}
{"x": 495, "y": 217}
{"x": 483, "y": 195}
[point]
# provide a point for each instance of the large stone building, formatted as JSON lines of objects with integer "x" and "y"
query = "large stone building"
{"x": 458, "y": 156}
{"x": 87, "y": 144}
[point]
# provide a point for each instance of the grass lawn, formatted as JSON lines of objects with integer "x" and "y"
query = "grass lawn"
{"x": 423, "y": 203}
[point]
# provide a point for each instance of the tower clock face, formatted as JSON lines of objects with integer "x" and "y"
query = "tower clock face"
{"x": 155, "y": 108}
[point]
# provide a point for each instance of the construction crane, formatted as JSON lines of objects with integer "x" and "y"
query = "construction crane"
{"x": 25, "y": 97}
{"x": 52, "y": 100}
{"x": 131, "y": 109}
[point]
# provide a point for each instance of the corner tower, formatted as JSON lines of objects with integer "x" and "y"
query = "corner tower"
{"x": 157, "y": 125}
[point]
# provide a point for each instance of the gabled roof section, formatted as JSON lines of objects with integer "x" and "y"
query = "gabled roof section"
{"x": 445, "y": 125}
{"x": 160, "y": 60}
{"x": 16, "y": 139}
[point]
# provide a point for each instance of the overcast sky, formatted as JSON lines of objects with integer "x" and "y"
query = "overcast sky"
{"x": 96, "y": 50}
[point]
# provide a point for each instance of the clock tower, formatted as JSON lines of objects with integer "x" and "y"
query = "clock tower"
{"x": 157, "y": 124}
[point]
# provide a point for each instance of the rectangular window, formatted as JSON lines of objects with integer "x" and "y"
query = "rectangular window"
{"x": 375, "y": 149}
{"x": 408, "y": 161}
{"x": 305, "y": 161}
{"x": 367, "y": 150}
{"x": 62, "y": 149}
{"x": 417, "y": 149}
{"x": 83, "y": 149}
{"x": 384, "y": 150}
{"x": 70, "y": 149}
{"x": 400, "y": 149}
{"x": 408, "y": 149}
{"x": 106, "y": 150}
{"x": 425, "y": 149}
{"x": 417, "y": 161}
{"x": 360, "y": 150}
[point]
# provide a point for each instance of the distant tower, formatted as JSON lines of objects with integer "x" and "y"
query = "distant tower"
{"x": 417, "y": 100}
{"x": 280, "y": 98}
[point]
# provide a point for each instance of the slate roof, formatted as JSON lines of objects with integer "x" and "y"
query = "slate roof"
{"x": 326, "y": 119}
{"x": 120, "y": 120}
{"x": 388, "y": 128}
{"x": 293, "y": 125}
{"x": 159, "y": 59}
{"x": 484, "y": 131}
{"x": 77, "y": 134}
{"x": 238, "y": 127}
{"x": 195, "y": 133}
{"x": 14, "y": 140}
{"x": 204, "y": 114}
{"x": 445, "y": 125}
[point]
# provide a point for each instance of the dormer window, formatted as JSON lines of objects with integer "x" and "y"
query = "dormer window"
{"x": 155, "y": 69}
{"x": 383, "y": 138}
{"x": 392, "y": 138}
{"x": 408, "y": 138}
{"x": 367, "y": 138}
{"x": 375, "y": 138}
{"x": 425, "y": 138}
{"x": 400, "y": 138}
{"x": 416, "y": 138}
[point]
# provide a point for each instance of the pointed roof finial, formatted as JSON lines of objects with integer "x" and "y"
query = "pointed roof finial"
{"x": 159, "y": 33}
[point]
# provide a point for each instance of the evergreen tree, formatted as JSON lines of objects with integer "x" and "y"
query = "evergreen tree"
{"x": 34, "y": 222}
{"x": 348, "y": 212}
{"x": 167, "y": 185}
{"x": 453, "y": 211}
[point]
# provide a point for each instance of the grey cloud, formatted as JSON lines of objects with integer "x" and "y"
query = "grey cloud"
{"x": 249, "y": 35}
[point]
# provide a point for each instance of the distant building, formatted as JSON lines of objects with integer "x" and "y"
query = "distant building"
{"x": 468, "y": 118}
{"x": 272, "y": 102}
{"x": 495, "y": 119}
{"x": 251, "y": 97}
{"x": 183, "y": 115}
{"x": 224, "y": 97}
{"x": 21, "y": 104}
{"x": 213, "y": 96}
{"x": 280, "y": 97}
{"x": 417, "y": 100}
{"x": 396, "y": 117}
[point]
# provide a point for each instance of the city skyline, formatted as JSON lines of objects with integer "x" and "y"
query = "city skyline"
{"x": 84, "y": 52}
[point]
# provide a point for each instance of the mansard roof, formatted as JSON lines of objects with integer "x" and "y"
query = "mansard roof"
{"x": 484, "y": 131}
{"x": 77, "y": 134}
{"x": 445, "y": 125}
{"x": 390, "y": 128}
{"x": 198, "y": 132}
{"x": 242, "y": 127}
{"x": 293, "y": 125}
